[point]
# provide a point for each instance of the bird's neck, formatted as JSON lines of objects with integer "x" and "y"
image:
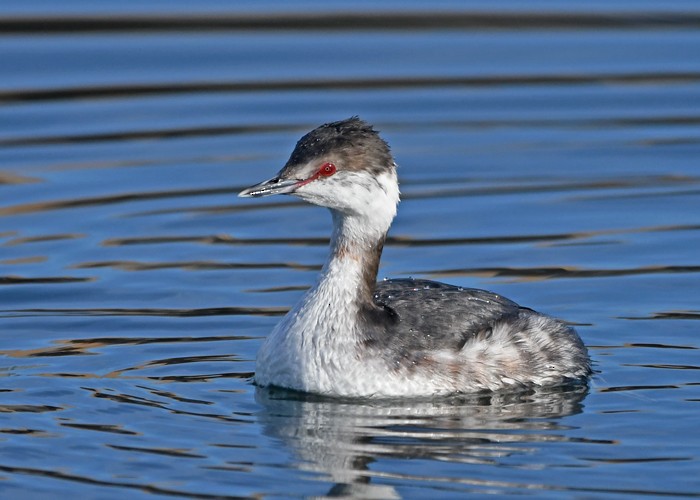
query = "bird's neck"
{"x": 348, "y": 279}
{"x": 355, "y": 251}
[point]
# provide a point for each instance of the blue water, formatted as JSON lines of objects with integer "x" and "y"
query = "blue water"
{"x": 548, "y": 151}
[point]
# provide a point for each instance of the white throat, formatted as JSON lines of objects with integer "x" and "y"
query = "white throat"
{"x": 369, "y": 209}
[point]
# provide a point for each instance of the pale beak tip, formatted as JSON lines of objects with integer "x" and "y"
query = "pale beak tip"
{"x": 269, "y": 187}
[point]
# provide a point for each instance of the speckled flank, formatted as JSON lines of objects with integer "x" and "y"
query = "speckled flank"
{"x": 351, "y": 336}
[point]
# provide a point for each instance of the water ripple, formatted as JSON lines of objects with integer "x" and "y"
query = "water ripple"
{"x": 558, "y": 272}
{"x": 9, "y": 96}
{"x": 45, "y": 206}
{"x": 113, "y": 429}
{"x": 142, "y": 488}
{"x": 46, "y": 280}
{"x": 380, "y": 20}
{"x": 398, "y": 241}
{"x": 668, "y": 315}
{"x": 195, "y": 266}
{"x": 208, "y": 311}
{"x": 28, "y": 408}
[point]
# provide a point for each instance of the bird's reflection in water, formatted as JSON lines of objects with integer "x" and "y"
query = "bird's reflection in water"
{"x": 341, "y": 438}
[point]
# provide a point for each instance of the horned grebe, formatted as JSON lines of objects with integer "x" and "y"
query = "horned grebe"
{"x": 352, "y": 336}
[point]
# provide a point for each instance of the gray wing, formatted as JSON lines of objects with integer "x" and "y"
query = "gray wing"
{"x": 422, "y": 315}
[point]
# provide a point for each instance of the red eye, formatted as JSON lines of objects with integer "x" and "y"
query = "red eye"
{"x": 327, "y": 169}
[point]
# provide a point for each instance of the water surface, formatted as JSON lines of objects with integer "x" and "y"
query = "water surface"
{"x": 547, "y": 152}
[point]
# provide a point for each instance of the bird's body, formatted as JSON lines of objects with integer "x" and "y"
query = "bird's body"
{"x": 351, "y": 336}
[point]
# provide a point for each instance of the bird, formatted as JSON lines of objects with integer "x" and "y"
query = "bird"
{"x": 351, "y": 336}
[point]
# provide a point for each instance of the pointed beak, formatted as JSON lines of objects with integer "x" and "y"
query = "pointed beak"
{"x": 270, "y": 187}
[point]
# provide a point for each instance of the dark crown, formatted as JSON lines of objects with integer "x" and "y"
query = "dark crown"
{"x": 353, "y": 140}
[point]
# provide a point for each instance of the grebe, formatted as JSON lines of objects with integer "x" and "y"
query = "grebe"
{"x": 351, "y": 336}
